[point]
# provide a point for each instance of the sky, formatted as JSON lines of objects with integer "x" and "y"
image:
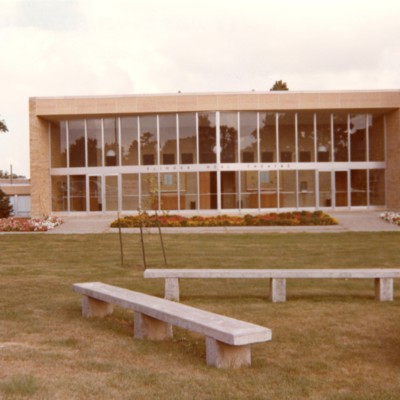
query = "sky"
{"x": 103, "y": 47}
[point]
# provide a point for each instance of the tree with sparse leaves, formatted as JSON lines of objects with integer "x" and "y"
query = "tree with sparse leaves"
{"x": 5, "y": 206}
{"x": 279, "y": 85}
{"x": 3, "y": 126}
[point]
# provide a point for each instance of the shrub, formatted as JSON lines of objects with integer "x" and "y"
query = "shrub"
{"x": 5, "y": 206}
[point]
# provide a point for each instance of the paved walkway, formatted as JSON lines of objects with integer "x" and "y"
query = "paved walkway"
{"x": 356, "y": 221}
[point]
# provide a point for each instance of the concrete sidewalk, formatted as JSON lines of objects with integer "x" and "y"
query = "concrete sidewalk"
{"x": 349, "y": 221}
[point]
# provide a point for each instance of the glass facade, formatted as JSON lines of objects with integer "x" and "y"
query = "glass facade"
{"x": 233, "y": 160}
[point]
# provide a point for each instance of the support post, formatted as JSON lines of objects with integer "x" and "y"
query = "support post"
{"x": 222, "y": 355}
{"x": 277, "y": 290}
{"x": 171, "y": 291}
{"x": 145, "y": 327}
{"x": 95, "y": 308}
{"x": 384, "y": 289}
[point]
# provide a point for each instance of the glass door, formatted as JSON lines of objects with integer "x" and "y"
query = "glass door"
{"x": 111, "y": 194}
{"x": 95, "y": 193}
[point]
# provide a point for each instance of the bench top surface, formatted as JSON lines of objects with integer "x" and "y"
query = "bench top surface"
{"x": 274, "y": 273}
{"x": 222, "y": 328}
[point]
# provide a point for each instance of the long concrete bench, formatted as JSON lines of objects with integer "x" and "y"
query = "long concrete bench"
{"x": 228, "y": 340}
{"x": 383, "y": 278}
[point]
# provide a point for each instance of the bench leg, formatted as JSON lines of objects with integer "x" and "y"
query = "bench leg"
{"x": 146, "y": 327}
{"x": 95, "y": 308}
{"x": 277, "y": 290}
{"x": 222, "y": 355}
{"x": 384, "y": 289}
{"x": 172, "y": 289}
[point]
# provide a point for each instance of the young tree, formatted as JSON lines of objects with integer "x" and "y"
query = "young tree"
{"x": 5, "y": 207}
{"x": 279, "y": 85}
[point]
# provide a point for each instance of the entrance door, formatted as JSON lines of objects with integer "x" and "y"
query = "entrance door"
{"x": 95, "y": 193}
{"x": 341, "y": 188}
{"x": 111, "y": 193}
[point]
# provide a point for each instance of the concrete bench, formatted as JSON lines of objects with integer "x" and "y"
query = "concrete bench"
{"x": 228, "y": 340}
{"x": 383, "y": 278}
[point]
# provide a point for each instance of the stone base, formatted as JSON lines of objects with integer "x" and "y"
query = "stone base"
{"x": 95, "y": 308}
{"x": 384, "y": 289}
{"x": 222, "y": 355}
{"x": 171, "y": 289}
{"x": 146, "y": 327}
{"x": 277, "y": 290}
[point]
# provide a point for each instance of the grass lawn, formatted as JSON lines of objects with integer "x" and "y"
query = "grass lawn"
{"x": 331, "y": 339}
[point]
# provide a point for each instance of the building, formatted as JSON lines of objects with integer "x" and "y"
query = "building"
{"x": 18, "y": 191}
{"x": 215, "y": 152}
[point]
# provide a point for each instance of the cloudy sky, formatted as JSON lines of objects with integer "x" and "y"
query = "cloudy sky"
{"x": 96, "y": 47}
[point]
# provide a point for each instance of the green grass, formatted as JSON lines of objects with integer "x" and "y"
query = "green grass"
{"x": 331, "y": 339}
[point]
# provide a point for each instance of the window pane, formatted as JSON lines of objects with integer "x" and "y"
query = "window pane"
{"x": 59, "y": 196}
{"x": 168, "y": 139}
{"x": 129, "y": 141}
{"x": 150, "y": 191}
{"x": 111, "y": 190}
{"x": 249, "y": 189}
{"x": 229, "y": 184}
{"x": 207, "y": 138}
{"x": 358, "y": 137}
{"x": 77, "y": 192}
{"x": 340, "y": 137}
{"x": 286, "y": 137}
{"x": 325, "y": 189}
{"x": 169, "y": 191}
{"x": 228, "y": 137}
{"x": 248, "y": 137}
{"x": 358, "y": 187}
{"x": 111, "y": 151}
{"x": 188, "y": 188}
{"x": 76, "y": 138}
{"x": 287, "y": 183}
{"x": 324, "y": 138}
{"x": 376, "y": 126}
{"x": 305, "y": 139}
{"x": 187, "y": 138}
{"x": 148, "y": 139}
{"x": 268, "y": 137}
{"x": 130, "y": 192}
{"x": 341, "y": 188}
{"x": 208, "y": 190}
{"x": 268, "y": 186}
{"x": 59, "y": 145}
{"x": 307, "y": 188}
{"x": 377, "y": 187}
{"x": 95, "y": 157}
{"x": 95, "y": 193}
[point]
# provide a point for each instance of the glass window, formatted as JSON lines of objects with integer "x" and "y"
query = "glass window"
{"x": 324, "y": 137}
{"x": 268, "y": 137}
{"x": 111, "y": 192}
{"x": 249, "y": 189}
{"x": 287, "y": 183}
{"x": 307, "y": 188}
{"x": 340, "y": 137}
{"x": 149, "y": 191}
{"x": 169, "y": 191}
{"x": 287, "y": 142}
{"x": 358, "y": 187}
{"x": 228, "y": 136}
{"x": 341, "y": 194}
{"x": 268, "y": 188}
{"x": 305, "y": 137}
{"x": 129, "y": 141}
{"x": 130, "y": 192}
{"x": 325, "y": 189}
{"x": 77, "y": 192}
{"x": 377, "y": 187}
{"x": 207, "y": 138}
{"x": 248, "y": 137}
{"x": 376, "y": 130}
{"x": 95, "y": 154}
{"x": 59, "y": 144}
{"x": 208, "y": 190}
{"x": 76, "y": 139}
{"x": 59, "y": 194}
{"x": 188, "y": 190}
{"x": 168, "y": 139}
{"x": 148, "y": 139}
{"x": 358, "y": 137}
{"x": 229, "y": 185}
{"x": 187, "y": 138}
{"x": 111, "y": 148}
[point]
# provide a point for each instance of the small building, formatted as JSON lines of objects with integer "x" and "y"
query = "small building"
{"x": 211, "y": 153}
{"x": 18, "y": 191}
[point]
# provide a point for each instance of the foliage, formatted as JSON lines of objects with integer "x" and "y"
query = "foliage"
{"x": 296, "y": 218}
{"x": 391, "y": 216}
{"x": 5, "y": 206}
{"x": 3, "y": 126}
{"x": 29, "y": 225}
{"x": 6, "y": 175}
{"x": 279, "y": 85}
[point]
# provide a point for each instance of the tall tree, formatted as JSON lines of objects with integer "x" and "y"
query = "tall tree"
{"x": 5, "y": 206}
{"x": 279, "y": 85}
{"x": 3, "y": 126}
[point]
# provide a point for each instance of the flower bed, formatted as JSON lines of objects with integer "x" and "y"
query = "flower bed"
{"x": 297, "y": 218}
{"x": 29, "y": 225}
{"x": 391, "y": 216}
